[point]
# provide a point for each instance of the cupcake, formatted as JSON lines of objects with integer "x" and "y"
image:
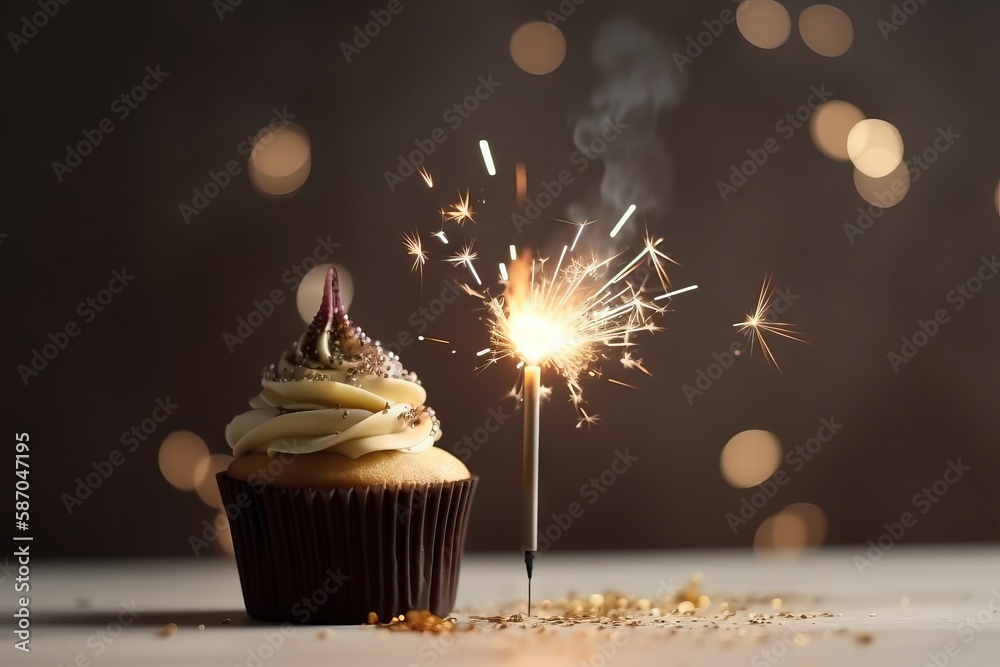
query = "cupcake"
{"x": 339, "y": 503}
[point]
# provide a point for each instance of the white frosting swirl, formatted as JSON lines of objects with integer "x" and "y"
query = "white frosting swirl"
{"x": 353, "y": 399}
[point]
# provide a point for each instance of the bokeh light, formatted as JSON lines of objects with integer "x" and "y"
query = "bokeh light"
{"x": 750, "y": 457}
{"x": 764, "y": 23}
{"x": 790, "y": 531}
{"x": 205, "y": 484}
{"x": 887, "y": 191}
{"x": 310, "y": 291}
{"x": 875, "y": 147}
{"x": 225, "y": 540}
{"x": 829, "y": 126}
{"x": 179, "y": 456}
{"x": 826, "y": 30}
{"x": 538, "y": 47}
{"x": 281, "y": 160}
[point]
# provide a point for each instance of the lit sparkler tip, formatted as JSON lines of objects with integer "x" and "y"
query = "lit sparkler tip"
{"x": 484, "y": 146}
{"x": 624, "y": 219}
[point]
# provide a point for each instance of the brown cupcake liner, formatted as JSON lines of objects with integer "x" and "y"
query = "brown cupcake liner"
{"x": 333, "y": 556}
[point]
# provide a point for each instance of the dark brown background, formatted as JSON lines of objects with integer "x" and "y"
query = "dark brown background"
{"x": 162, "y": 336}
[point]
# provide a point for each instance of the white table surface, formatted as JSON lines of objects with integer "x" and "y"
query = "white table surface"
{"x": 73, "y": 602}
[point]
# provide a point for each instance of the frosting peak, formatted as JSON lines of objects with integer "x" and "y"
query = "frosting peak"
{"x": 338, "y": 391}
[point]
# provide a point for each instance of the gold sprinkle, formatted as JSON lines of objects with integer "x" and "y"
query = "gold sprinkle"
{"x": 864, "y": 638}
{"x": 168, "y": 630}
{"x": 776, "y": 603}
{"x": 372, "y": 618}
{"x": 201, "y": 626}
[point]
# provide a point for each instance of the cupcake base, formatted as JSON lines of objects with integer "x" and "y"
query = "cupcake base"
{"x": 334, "y": 556}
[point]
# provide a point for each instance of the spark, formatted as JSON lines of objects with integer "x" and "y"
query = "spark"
{"x": 629, "y": 362}
{"x": 482, "y": 352}
{"x": 589, "y": 420}
{"x": 440, "y": 235}
{"x": 621, "y": 223}
{"x": 484, "y": 146}
{"x": 513, "y": 252}
{"x": 655, "y": 257}
{"x": 503, "y": 271}
{"x": 675, "y": 292}
{"x": 460, "y": 211}
{"x": 415, "y": 248}
{"x": 465, "y": 257}
{"x": 757, "y": 324}
{"x": 436, "y": 340}
{"x": 614, "y": 381}
{"x": 428, "y": 179}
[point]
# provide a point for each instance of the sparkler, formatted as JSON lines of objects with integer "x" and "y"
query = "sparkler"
{"x": 757, "y": 324}
{"x": 566, "y": 319}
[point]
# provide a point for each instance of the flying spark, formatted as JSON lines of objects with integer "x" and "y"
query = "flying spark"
{"x": 435, "y": 340}
{"x": 428, "y": 179}
{"x": 465, "y": 257}
{"x": 484, "y": 146}
{"x": 621, "y": 223}
{"x": 757, "y": 324}
{"x": 460, "y": 211}
{"x": 415, "y": 248}
{"x": 440, "y": 235}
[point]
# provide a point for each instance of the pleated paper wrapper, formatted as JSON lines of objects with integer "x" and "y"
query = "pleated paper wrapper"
{"x": 333, "y": 556}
